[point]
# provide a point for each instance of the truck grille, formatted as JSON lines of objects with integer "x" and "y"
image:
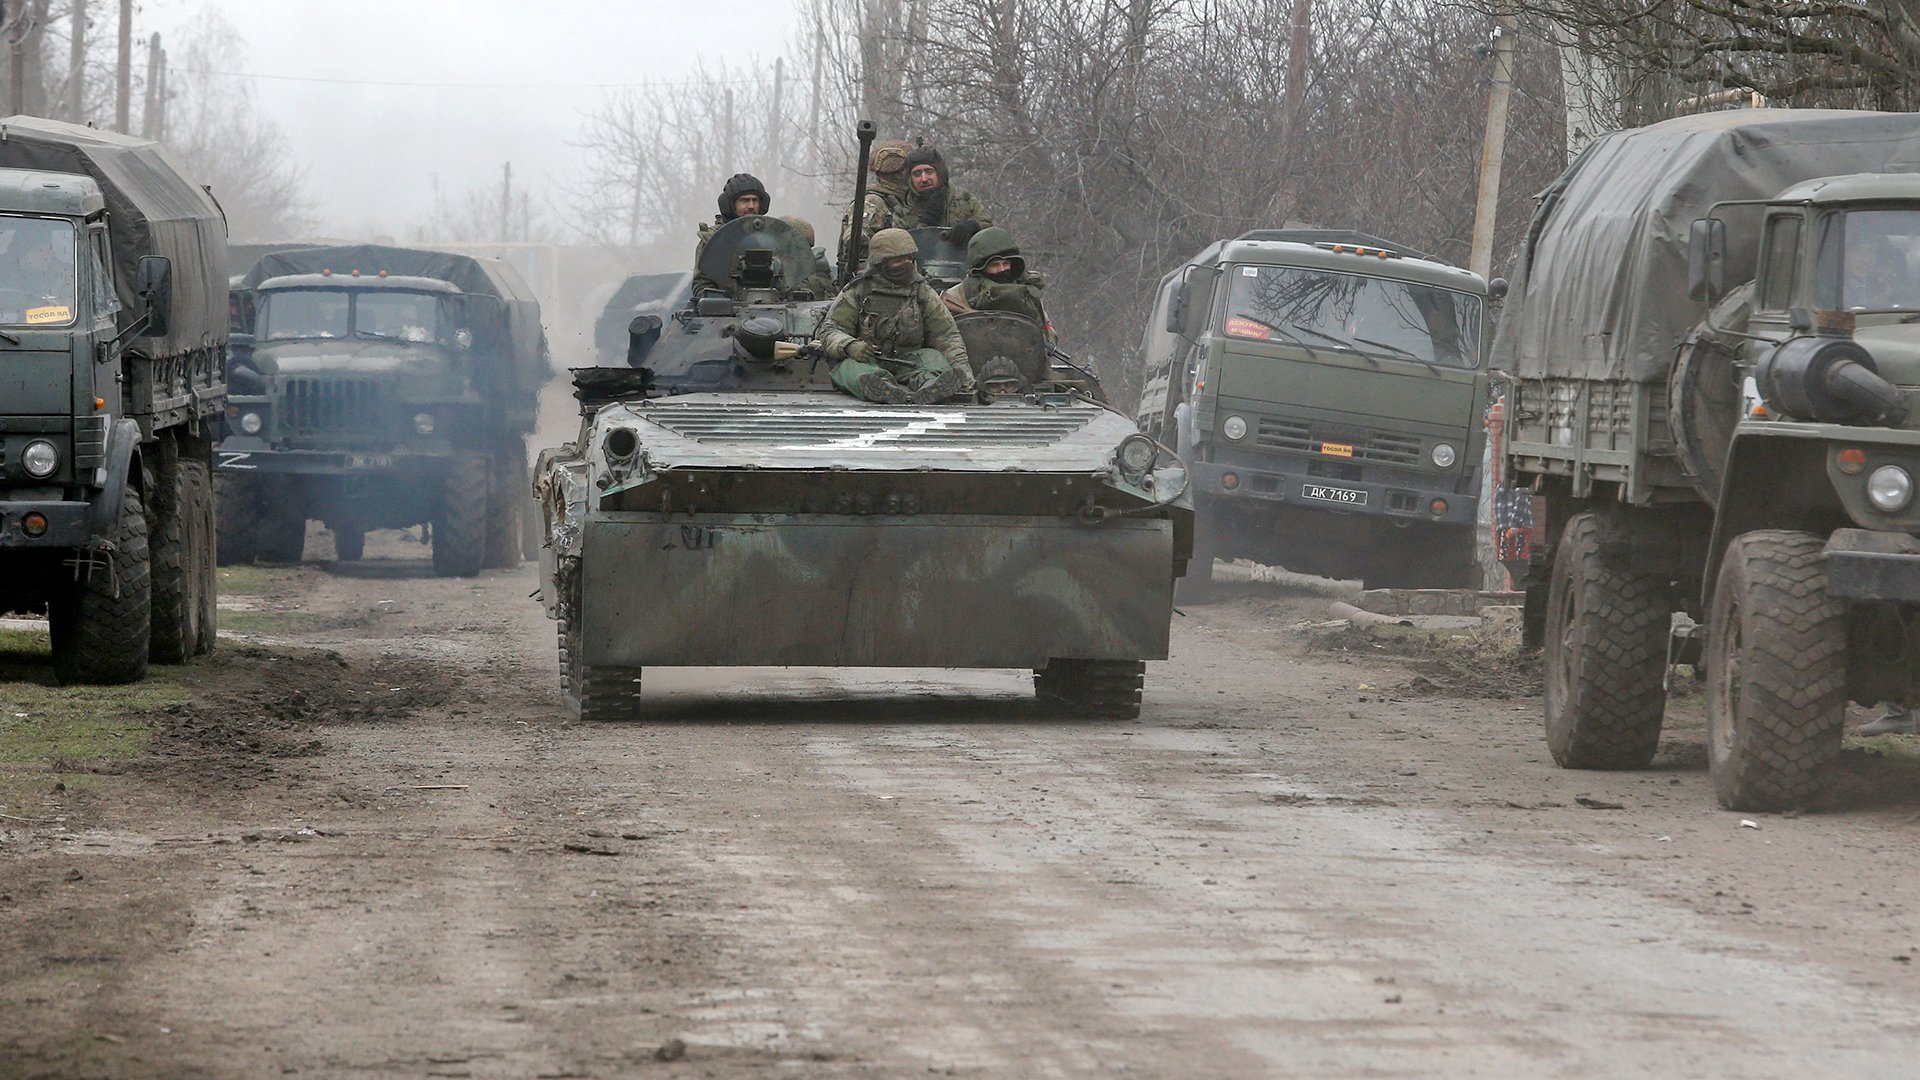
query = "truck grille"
{"x": 857, "y": 426}
{"x": 329, "y": 406}
{"x": 1379, "y": 449}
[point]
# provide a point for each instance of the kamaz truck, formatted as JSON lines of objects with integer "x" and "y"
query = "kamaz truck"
{"x": 1327, "y": 389}
{"x": 389, "y": 387}
{"x": 1711, "y": 355}
{"x": 113, "y": 326}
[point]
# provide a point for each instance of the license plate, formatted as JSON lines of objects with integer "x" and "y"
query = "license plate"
{"x": 1334, "y": 495}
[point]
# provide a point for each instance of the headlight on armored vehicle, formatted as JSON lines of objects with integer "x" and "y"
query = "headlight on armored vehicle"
{"x": 423, "y": 423}
{"x": 1136, "y": 455}
{"x": 1234, "y": 427}
{"x": 40, "y": 459}
{"x": 250, "y": 423}
{"x": 1890, "y": 489}
{"x": 1444, "y": 455}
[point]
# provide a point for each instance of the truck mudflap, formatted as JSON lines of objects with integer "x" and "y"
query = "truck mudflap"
{"x": 873, "y": 591}
{"x": 1864, "y": 564}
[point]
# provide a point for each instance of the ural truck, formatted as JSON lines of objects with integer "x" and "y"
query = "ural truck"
{"x": 112, "y": 332}
{"x": 1327, "y": 389}
{"x": 724, "y": 505}
{"x": 391, "y": 387}
{"x": 1710, "y": 358}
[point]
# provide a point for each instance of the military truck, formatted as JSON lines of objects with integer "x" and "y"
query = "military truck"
{"x": 112, "y": 276}
{"x": 1711, "y": 353}
{"x": 1327, "y": 389}
{"x": 395, "y": 387}
{"x": 723, "y": 505}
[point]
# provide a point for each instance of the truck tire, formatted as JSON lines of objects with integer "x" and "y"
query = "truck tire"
{"x": 281, "y": 528}
{"x": 101, "y": 626}
{"x": 1776, "y": 672}
{"x": 506, "y": 504}
{"x": 205, "y": 538}
{"x": 1606, "y": 653}
{"x": 1102, "y": 689}
{"x": 174, "y": 575}
{"x": 593, "y": 694}
{"x": 349, "y": 544}
{"x": 460, "y": 532}
{"x": 237, "y": 518}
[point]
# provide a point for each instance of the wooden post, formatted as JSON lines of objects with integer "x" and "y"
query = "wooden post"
{"x": 77, "y": 63}
{"x": 1299, "y": 56}
{"x": 1493, "y": 147}
{"x": 506, "y": 201}
{"x": 123, "y": 71}
{"x": 150, "y": 108}
{"x": 775, "y": 155}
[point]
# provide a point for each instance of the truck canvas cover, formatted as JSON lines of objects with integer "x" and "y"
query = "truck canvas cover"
{"x": 151, "y": 210}
{"x": 1599, "y": 289}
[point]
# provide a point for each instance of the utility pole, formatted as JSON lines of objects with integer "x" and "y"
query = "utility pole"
{"x": 1299, "y": 55}
{"x": 77, "y": 64}
{"x": 1493, "y": 146}
{"x": 639, "y": 180}
{"x": 775, "y": 152}
{"x": 150, "y": 108}
{"x": 816, "y": 164}
{"x": 160, "y": 98}
{"x": 17, "y": 24}
{"x": 123, "y": 71}
{"x": 506, "y": 201}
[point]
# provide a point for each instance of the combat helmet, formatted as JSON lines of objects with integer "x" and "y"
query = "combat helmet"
{"x": 994, "y": 242}
{"x": 890, "y": 243}
{"x": 889, "y": 157}
{"x": 743, "y": 184}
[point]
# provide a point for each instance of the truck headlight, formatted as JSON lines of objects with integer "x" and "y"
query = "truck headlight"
{"x": 423, "y": 423}
{"x": 250, "y": 423}
{"x": 1234, "y": 427}
{"x": 40, "y": 459}
{"x": 1444, "y": 455}
{"x": 1136, "y": 455}
{"x": 1890, "y": 489}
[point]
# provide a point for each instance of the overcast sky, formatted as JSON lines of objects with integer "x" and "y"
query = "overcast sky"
{"x": 372, "y": 152}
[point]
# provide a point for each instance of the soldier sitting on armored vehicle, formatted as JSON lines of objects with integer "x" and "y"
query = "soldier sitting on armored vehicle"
{"x": 894, "y": 341}
{"x": 934, "y": 201}
{"x": 742, "y": 196}
{"x": 997, "y": 279}
{"x": 886, "y": 201}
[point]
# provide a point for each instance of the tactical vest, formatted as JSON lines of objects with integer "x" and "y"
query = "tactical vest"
{"x": 891, "y": 318}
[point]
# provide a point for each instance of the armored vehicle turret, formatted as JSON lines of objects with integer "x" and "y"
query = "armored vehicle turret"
{"x": 723, "y": 505}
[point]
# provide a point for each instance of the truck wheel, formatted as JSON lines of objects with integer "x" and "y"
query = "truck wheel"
{"x": 282, "y": 527}
{"x": 506, "y": 505}
{"x": 174, "y": 577}
{"x": 237, "y": 516}
{"x": 1776, "y": 672}
{"x": 460, "y": 532}
{"x": 200, "y": 502}
{"x": 1106, "y": 689}
{"x": 349, "y": 544}
{"x": 593, "y": 694}
{"x": 100, "y": 626}
{"x": 1607, "y": 630}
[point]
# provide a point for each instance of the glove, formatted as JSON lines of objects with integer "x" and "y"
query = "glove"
{"x": 962, "y": 231}
{"x": 862, "y": 351}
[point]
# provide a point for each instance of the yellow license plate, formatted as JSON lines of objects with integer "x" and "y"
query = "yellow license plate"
{"x": 1337, "y": 449}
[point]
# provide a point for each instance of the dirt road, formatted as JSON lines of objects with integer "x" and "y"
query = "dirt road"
{"x": 371, "y": 844}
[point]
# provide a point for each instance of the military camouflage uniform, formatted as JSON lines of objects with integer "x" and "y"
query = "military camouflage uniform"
{"x": 737, "y": 185}
{"x": 907, "y": 325}
{"x": 962, "y": 205}
{"x": 978, "y": 292}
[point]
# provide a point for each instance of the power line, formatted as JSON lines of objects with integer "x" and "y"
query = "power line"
{"x": 649, "y": 84}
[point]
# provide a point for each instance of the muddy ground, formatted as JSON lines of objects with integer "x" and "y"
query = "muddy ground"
{"x": 365, "y": 841}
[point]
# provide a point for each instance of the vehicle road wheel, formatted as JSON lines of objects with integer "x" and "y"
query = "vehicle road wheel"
{"x": 282, "y": 527}
{"x": 237, "y": 518}
{"x": 1607, "y": 630}
{"x": 1776, "y": 672}
{"x": 100, "y": 626}
{"x": 507, "y": 499}
{"x": 594, "y": 694}
{"x": 173, "y": 628}
{"x": 349, "y": 544}
{"x": 1106, "y": 689}
{"x": 460, "y": 532}
{"x": 200, "y": 500}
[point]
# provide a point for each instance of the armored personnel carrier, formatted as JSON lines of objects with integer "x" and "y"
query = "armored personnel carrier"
{"x": 725, "y": 506}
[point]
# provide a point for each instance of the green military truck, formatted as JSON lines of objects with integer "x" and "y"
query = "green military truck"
{"x": 390, "y": 387}
{"x": 1327, "y": 390}
{"x": 112, "y": 322}
{"x": 1712, "y": 351}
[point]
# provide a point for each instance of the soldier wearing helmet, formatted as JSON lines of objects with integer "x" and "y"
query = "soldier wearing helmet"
{"x": 886, "y": 203}
{"x": 894, "y": 341}
{"x": 997, "y": 280}
{"x": 819, "y": 283}
{"x": 743, "y": 195}
{"x": 934, "y": 201}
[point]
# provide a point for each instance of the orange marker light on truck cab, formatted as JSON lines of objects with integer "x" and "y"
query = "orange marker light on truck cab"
{"x": 1851, "y": 460}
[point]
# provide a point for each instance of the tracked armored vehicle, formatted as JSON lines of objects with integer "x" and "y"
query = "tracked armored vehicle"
{"x": 724, "y": 506}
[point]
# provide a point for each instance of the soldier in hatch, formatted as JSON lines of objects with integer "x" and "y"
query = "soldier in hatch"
{"x": 819, "y": 283}
{"x": 743, "y": 196}
{"x": 935, "y": 202}
{"x": 886, "y": 201}
{"x": 894, "y": 341}
{"x": 997, "y": 280}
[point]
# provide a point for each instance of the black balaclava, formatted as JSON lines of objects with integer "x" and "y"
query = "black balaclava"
{"x": 743, "y": 184}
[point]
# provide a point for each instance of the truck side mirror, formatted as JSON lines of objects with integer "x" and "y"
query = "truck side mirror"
{"x": 642, "y": 332}
{"x": 1707, "y": 259}
{"x": 1497, "y": 289}
{"x": 1177, "y": 309}
{"x": 153, "y": 283}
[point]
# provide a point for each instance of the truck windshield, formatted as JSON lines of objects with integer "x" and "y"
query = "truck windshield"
{"x": 304, "y": 313}
{"x": 335, "y": 313}
{"x": 37, "y": 260}
{"x": 1373, "y": 316}
{"x": 400, "y": 315}
{"x": 1881, "y": 260}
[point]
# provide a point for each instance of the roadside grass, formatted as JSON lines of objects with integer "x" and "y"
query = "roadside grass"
{"x": 64, "y": 734}
{"x": 263, "y": 622}
{"x": 253, "y": 580}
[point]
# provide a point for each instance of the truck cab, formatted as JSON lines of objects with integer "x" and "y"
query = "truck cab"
{"x": 1327, "y": 389}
